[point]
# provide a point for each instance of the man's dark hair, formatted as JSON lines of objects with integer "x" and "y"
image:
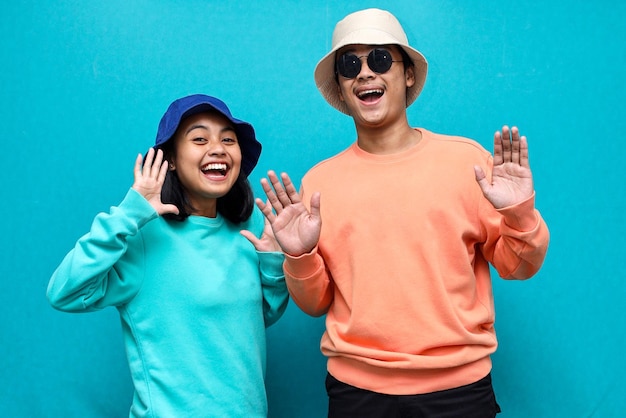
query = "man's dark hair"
{"x": 406, "y": 60}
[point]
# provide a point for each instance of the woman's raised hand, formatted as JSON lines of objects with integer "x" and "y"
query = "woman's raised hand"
{"x": 149, "y": 178}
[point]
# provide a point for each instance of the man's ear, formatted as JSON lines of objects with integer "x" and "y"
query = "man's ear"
{"x": 409, "y": 74}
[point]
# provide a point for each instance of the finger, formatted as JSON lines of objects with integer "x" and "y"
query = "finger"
{"x": 267, "y": 189}
{"x": 481, "y": 178}
{"x": 250, "y": 237}
{"x": 479, "y": 173}
{"x": 147, "y": 164}
{"x": 523, "y": 152}
{"x": 316, "y": 204}
{"x": 156, "y": 165}
{"x": 515, "y": 145}
{"x": 137, "y": 169}
{"x": 266, "y": 209}
{"x": 163, "y": 172}
{"x": 279, "y": 189}
{"x": 506, "y": 144}
{"x": 497, "y": 148}
{"x": 268, "y": 230}
{"x": 169, "y": 208}
{"x": 271, "y": 196}
{"x": 292, "y": 193}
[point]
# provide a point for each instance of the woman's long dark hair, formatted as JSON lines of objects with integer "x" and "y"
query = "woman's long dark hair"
{"x": 236, "y": 205}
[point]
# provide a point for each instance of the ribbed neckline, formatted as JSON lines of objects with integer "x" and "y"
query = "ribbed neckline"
{"x": 203, "y": 220}
{"x": 391, "y": 158}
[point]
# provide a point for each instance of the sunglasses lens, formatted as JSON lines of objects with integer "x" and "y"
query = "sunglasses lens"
{"x": 348, "y": 65}
{"x": 379, "y": 60}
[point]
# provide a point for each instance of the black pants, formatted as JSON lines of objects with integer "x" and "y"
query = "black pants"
{"x": 476, "y": 400}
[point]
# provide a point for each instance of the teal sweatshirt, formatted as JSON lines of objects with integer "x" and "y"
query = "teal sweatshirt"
{"x": 194, "y": 298}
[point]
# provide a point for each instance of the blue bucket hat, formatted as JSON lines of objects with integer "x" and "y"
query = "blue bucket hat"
{"x": 197, "y": 103}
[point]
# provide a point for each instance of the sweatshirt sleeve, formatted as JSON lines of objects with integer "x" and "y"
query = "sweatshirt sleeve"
{"x": 275, "y": 295}
{"x": 309, "y": 282}
{"x": 518, "y": 241}
{"x": 95, "y": 273}
{"x": 273, "y": 287}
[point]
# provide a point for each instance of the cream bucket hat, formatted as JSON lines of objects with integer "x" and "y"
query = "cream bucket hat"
{"x": 367, "y": 27}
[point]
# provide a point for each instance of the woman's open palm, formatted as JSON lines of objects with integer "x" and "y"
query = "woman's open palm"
{"x": 149, "y": 178}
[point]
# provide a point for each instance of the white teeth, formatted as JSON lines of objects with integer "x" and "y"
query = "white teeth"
{"x": 373, "y": 91}
{"x": 214, "y": 166}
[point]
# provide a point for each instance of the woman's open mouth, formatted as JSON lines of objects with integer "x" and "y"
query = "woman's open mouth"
{"x": 215, "y": 170}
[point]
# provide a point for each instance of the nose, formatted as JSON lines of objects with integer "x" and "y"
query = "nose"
{"x": 216, "y": 147}
{"x": 366, "y": 72}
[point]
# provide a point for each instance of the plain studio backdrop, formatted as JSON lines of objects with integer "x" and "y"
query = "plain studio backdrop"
{"x": 84, "y": 83}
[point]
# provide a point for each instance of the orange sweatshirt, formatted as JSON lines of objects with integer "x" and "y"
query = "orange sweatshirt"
{"x": 402, "y": 266}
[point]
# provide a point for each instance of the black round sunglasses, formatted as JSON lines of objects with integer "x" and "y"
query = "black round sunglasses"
{"x": 379, "y": 60}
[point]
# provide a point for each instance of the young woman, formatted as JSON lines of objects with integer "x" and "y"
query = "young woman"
{"x": 191, "y": 266}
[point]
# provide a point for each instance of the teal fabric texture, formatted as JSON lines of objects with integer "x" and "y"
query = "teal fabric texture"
{"x": 194, "y": 299}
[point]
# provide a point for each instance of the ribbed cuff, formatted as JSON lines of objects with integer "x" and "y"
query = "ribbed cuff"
{"x": 137, "y": 207}
{"x": 303, "y": 266}
{"x": 522, "y": 216}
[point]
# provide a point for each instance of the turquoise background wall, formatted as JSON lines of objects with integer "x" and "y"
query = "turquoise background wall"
{"x": 84, "y": 83}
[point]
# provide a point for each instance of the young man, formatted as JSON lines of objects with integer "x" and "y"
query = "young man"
{"x": 396, "y": 237}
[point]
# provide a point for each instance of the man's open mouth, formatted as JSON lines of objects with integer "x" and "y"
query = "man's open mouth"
{"x": 370, "y": 95}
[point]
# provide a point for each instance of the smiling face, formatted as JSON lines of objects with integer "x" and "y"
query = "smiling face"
{"x": 376, "y": 99}
{"x": 207, "y": 159}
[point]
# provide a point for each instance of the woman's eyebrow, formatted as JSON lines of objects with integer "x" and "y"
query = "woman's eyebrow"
{"x": 197, "y": 126}
{"x": 201, "y": 126}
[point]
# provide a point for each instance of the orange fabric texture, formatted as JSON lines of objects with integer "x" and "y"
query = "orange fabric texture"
{"x": 402, "y": 267}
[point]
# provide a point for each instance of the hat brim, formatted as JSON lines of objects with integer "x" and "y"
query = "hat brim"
{"x": 325, "y": 70}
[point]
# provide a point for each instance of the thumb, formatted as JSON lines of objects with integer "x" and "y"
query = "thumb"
{"x": 250, "y": 237}
{"x": 168, "y": 208}
{"x": 316, "y": 204}
{"x": 481, "y": 178}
